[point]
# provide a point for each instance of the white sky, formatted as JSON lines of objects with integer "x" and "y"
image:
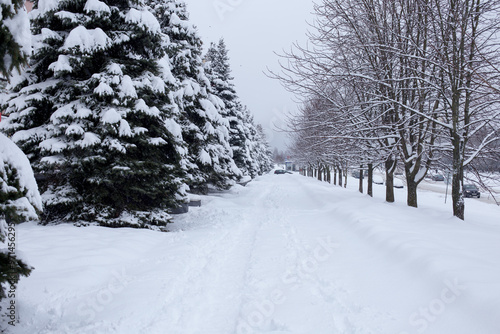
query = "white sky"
{"x": 253, "y": 30}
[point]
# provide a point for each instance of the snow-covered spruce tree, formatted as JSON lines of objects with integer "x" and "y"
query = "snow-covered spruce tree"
{"x": 219, "y": 73}
{"x": 209, "y": 160}
{"x": 92, "y": 113}
{"x": 14, "y": 36}
{"x": 262, "y": 152}
{"x": 19, "y": 202}
{"x": 19, "y": 197}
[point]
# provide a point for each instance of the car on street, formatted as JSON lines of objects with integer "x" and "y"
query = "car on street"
{"x": 281, "y": 171}
{"x": 470, "y": 190}
{"x": 377, "y": 179}
{"x": 398, "y": 183}
{"x": 437, "y": 177}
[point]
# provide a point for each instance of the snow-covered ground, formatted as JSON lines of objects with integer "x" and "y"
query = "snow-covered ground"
{"x": 285, "y": 254}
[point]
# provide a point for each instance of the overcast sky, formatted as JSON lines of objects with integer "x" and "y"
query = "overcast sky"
{"x": 253, "y": 30}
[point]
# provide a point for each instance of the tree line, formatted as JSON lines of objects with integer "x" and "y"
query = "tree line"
{"x": 120, "y": 114}
{"x": 410, "y": 84}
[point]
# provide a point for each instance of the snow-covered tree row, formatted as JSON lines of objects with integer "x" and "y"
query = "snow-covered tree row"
{"x": 245, "y": 138}
{"x": 408, "y": 83}
{"x": 118, "y": 116}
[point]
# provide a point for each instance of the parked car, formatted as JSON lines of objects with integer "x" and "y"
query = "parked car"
{"x": 437, "y": 177}
{"x": 281, "y": 171}
{"x": 398, "y": 183}
{"x": 377, "y": 179}
{"x": 471, "y": 190}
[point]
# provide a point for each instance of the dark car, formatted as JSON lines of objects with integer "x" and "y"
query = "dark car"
{"x": 471, "y": 190}
{"x": 437, "y": 177}
{"x": 398, "y": 183}
{"x": 377, "y": 179}
{"x": 280, "y": 171}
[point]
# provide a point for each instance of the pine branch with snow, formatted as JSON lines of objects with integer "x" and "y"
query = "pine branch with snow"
{"x": 15, "y": 36}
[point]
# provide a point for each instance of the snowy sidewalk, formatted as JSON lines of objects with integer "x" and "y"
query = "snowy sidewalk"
{"x": 286, "y": 254}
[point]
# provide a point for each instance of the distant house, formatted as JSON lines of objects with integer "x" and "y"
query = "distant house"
{"x": 290, "y": 165}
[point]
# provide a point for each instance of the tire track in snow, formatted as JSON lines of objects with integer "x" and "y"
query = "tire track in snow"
{"x": 269, "y": 291}
{"x": 293, "y": 235}
{"x": 348, "y": 316}
{"x": 257, "y": 304}
{"x": 206, "y": 295}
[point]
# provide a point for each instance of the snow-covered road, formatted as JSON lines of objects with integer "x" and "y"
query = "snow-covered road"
{"x": 286, "y": 254}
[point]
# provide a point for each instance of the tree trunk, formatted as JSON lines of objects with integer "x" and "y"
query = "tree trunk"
{"x": 361, "y": 179}
{"x": 457, "y": 180}
{"x": 328, "y": 175}
{"x": 335, "y": 175}
{"x": 370, "y": 180}
{"x": 390, "y": 167}
{"x": 340, "y": 176}
{"x": 319, "y": 173}
{"x": 411, "y": 169}
{"x": 412, "y": 192}
{"x": 345, "y": 178}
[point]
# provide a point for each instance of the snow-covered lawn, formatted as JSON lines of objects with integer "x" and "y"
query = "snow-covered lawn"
{"x": 285, "y": 254}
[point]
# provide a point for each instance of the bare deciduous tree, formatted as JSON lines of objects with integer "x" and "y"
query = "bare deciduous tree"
{"x": 408, "y": 80}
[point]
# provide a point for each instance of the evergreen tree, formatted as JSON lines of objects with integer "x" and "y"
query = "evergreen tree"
{"x": 243, "y": 135}
{"x": 19, "y": 197}
{"x": 14, "y": 36}
{"x": 94, "y": 115}
{"x": 209, "y": 159}
{"x": 263, "y": 151}
{"x": 218, "y": 56}
{"x": 19, "y": 202}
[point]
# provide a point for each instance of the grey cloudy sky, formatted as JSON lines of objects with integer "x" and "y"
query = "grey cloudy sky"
{"x": 253, "y": 30}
